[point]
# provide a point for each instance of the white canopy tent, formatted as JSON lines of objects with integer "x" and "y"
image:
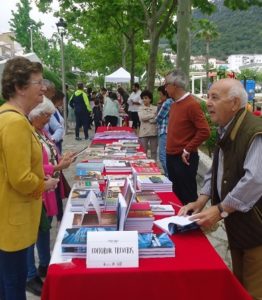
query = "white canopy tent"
{"x": 119, "y": 76}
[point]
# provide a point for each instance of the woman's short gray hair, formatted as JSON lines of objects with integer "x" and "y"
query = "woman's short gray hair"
{"x": 177, "y": 78}
{"x": 46, "y": 106}
{"x": 237, "y": 90}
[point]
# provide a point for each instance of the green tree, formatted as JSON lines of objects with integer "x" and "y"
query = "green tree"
{"x": 21, "y": 23}
{"x": 158, "y": 16}
{"x": 207, "y": 32}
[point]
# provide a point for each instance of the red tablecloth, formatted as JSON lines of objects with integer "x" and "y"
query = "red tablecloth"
{"x": 196, "y": 273}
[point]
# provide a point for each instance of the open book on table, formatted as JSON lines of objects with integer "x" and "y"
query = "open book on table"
{"x": 175, "y": 224}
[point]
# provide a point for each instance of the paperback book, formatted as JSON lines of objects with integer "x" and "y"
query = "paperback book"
{"x": 176, "y": 224}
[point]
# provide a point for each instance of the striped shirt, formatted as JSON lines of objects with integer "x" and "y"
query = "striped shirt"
{"x": 162, "y": 116}
{"x": 249, "y": 188}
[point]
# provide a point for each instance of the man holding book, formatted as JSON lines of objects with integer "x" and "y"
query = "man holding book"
{"x": 234, "y": 182}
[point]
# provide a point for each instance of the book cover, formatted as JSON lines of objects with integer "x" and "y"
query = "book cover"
{"x": 176, "y": 224}
{"x": 144, "y": 196}
{"x": 91, "y": 219}
{"x": 77, "y": 236}
{"x": 153, "y": 241}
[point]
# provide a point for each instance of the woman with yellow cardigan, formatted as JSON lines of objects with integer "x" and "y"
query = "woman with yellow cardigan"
{"x": 22, "y": 179}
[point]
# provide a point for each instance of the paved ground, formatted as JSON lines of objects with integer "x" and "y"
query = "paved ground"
{"x": 216, "y": 237}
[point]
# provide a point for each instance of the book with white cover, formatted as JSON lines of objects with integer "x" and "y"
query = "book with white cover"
{"x": 121, "y": 212}
{"x": 175, "y": 224}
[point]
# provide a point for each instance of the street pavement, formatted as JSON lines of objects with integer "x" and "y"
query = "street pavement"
{"x": 216, "y": 236}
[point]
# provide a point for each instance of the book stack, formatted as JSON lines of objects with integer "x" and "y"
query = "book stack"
{"x": 91, "y": 175}
{"x": 94, "y": 155}
{"x": 150, "y": 245}
{"x": 82, "y": 169}
{"x": 115, "y": 135}
{"x": 117, "y": 166}
{"x": 91, "y": 184}
{"x": 74, "y": 241}
{"x": 140, "y": 217}
{"x": 148, "y": 196}
{"x": 162, "y": 210}
{"x": 155, "y": 245}
{"x": 111, "y": 198}
{"x": 146, "y": 166}
{"x": 158, "y": 183}
{"x": 79, "y": 196}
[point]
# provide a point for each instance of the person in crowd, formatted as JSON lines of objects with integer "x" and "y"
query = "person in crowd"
{"x": 148, "y": 129}
{"x": 67, "y": 98}
{"x": 80, "y": 103}
{"x": 162, "y": 121}
{"x": 124, "y": 97}
{"x": 111, "y": 109}
{"x": 89, "y": 92}
{"x": 234, "y": 182}
{"x": 53, "y": 165}
{"x": 187, "y": 130}
{"x": 56, "y": 124}
{"x": 134, "y": 102}
{"x": 104, "y": 93}
{"x": 97, "y": 114}
{"x": 22, "y": 179}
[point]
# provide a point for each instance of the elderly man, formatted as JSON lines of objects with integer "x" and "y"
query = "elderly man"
{"x": 187, "y": 130}
{"x": 234, "y": 182}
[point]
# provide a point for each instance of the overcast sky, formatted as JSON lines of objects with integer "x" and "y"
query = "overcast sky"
{"x": 49, "y": 21}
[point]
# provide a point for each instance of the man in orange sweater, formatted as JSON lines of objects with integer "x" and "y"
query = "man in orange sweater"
{"x": 187, "y": 129}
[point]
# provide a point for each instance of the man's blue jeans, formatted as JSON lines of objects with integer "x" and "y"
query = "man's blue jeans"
{"x": 43, "y": 248}
{"x": 13, "y": 272}
{"x": 162, "y": 152}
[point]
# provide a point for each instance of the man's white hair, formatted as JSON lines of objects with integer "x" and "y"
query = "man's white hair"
{"x": 178, "y": 78}
{"x": 46, "y": 106}
{"x": 237, "y": 90}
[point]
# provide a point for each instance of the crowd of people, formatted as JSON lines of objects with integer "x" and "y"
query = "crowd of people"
{"x": 32, "y": 184}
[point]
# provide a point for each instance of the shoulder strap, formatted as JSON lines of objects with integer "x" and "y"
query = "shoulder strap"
{"x": 8, "y": 110}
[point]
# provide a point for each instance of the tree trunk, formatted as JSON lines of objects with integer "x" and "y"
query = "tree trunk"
{"x": 124, "y": 50}
{"x": 183, "y": 36}
{"x": 207, "y": 64}
{"x": 151, "y": 70}
{"x": 133, "y": 57}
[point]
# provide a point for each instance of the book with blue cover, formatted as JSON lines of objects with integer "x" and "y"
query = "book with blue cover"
{"x": 77, "y": 236}
{"x": 155, "y": 245}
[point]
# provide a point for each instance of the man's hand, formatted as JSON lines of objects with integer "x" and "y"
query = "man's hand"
{"x": 185, "y": 157}
{"x": 208, "y": 217}
{"x": 194, "y": 207}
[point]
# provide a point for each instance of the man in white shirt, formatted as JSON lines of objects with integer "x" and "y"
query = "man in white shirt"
{"x": 134, "y": 101}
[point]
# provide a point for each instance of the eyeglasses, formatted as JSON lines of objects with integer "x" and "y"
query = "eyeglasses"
{"x": 40, "y": 82}
{"x": 46, "y": 115}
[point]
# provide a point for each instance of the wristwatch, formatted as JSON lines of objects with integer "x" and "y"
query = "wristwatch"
{"x": 223, "y": 213}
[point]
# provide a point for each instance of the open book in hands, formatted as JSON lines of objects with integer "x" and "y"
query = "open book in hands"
{"x": 175, "y": 224}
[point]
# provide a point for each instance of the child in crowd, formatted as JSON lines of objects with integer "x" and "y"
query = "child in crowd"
{"x": 97, "y": 114}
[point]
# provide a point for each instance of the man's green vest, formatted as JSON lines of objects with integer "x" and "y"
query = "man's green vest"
{"x": 244, "y": 230}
